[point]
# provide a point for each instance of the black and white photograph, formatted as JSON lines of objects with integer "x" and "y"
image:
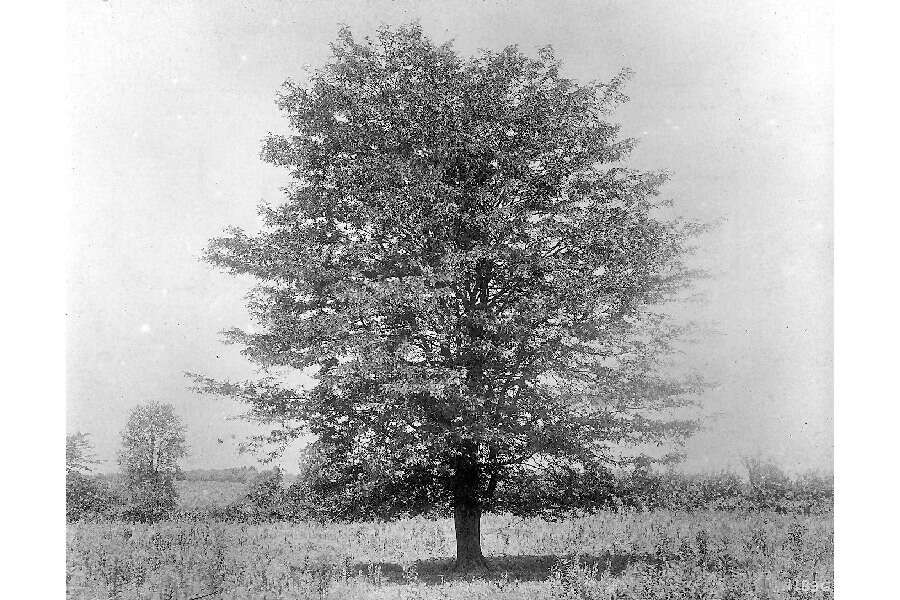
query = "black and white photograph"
{"x": 473, "y": 299}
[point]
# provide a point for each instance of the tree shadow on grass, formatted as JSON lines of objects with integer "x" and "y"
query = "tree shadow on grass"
{"x": 437, "y": 571}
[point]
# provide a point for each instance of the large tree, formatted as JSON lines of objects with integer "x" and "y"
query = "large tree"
{"x": 469, "y": 270}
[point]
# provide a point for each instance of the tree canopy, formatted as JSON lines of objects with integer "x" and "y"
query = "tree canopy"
{"x": 152, "y": 442}
{"x": 470, "y": 272}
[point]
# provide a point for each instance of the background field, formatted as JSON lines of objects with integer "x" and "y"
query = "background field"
{"x": 204, "y": 494}
{"x": 659, "y": 554}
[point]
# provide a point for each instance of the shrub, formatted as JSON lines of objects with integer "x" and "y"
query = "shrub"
{"x": 89, "y": 497}
{"x": 150, "y": 498}
{"x": 767, "y": 487}
{"x": 264, "y": 501}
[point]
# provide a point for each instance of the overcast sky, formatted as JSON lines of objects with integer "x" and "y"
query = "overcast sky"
{"x": 171, "y": 99}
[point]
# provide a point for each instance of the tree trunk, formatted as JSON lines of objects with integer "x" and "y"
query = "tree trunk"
{"x": 467, "y": 511}
{"x": 467, "y": 521}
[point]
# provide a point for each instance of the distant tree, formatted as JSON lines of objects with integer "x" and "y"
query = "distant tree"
{"x": 85, "y": 494}
{"x": 152, "y": 444}
{"x": 769, "y": 484}
{"x": 153, "y": 441}
{"x": 80, "y": 456}
{"x": 472, "y": 275}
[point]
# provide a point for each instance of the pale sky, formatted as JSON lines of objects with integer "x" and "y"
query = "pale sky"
{"x": 170, "y": 101}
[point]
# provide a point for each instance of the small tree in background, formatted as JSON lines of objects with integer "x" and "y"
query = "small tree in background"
{"x": 152, "y": 444}
{"x": 473, "y": 275}
{"x": 85, "y": 495}
{"x": 80, "y": 456}
{"x": 769, "y": 486}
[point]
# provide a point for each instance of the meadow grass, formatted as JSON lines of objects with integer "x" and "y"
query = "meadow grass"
{"x": 659, "y": 554}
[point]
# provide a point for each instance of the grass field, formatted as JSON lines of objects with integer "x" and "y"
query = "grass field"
{"x": 610, "y": 555}
{"x": 203, "y": 494}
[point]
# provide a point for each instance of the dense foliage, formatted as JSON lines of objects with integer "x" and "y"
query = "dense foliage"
{"x": 470, "y": 272}
{"x": 90, "y": 497}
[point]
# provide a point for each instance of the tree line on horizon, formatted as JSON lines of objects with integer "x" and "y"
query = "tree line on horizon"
{"x": 153, "y": 443}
